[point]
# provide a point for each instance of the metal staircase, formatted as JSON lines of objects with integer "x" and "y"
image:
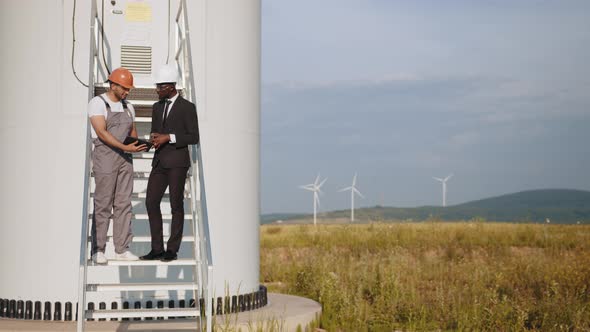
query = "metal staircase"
{"x": 199, "y": 262}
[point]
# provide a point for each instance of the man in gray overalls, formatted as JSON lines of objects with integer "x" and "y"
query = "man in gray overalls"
{"x": 112, "y": 120}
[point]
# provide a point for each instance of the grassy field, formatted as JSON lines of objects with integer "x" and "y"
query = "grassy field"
{"x": 435, "y": 276}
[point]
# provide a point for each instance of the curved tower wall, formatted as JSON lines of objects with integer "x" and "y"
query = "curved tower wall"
{"x": 226, "y": 59}
{"x": 42, "y": 139}
{"x": 43, "y": 131}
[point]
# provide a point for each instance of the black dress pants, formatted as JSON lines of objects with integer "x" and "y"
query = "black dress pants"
{"x": 160, "y": 178}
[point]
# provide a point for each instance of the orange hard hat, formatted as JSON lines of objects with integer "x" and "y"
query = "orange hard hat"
{"x": 123, "y": 77}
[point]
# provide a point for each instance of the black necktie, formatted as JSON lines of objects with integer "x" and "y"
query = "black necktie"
{"x": 168, "y": 101}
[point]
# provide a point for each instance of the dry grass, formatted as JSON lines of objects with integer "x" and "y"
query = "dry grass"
{"x": 435, "y": 276}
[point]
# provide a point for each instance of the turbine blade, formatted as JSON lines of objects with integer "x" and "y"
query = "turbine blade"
{"x": 307, "y": 187}
{"x": 317, "y": 179}
{"x": 354, "y": 179}
{"x": 358, "y": 192}
{"x": 448, "y": 177}
{"x": 321, "y": 184}
{"x": 438, "y": 179}
{"x": 345, "y": 189}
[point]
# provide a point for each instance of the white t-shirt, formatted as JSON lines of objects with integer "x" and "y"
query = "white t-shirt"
{"x": 96, "y": 107}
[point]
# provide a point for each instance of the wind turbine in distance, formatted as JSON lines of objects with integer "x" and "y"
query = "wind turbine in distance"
{"x": 315, "y": 188}
{"x": 444, "y": 188}
{"x": 353, "y": 190}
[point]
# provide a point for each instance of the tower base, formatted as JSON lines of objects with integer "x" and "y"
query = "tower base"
{"x": 283, "y": 312}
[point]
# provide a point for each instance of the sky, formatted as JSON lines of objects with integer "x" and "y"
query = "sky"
{"x": 496, "y": 93}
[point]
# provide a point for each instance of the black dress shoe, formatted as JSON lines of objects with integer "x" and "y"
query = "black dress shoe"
{"x": 168, "y": 256}
{"x": 152, "y": 256}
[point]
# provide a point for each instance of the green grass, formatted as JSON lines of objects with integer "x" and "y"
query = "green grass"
{"x": 435, "y": 276}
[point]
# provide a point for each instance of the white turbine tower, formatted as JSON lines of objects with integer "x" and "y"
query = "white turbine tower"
{"x": 315, "y": 188}
{"x": 444, "y": 188}
{"x": 353, "y": 190}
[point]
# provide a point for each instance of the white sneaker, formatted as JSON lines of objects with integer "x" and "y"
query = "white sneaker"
{"x": 126, "y": 256}
{"x": 99, "y": 258}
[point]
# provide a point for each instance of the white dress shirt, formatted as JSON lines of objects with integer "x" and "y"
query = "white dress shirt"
{"x": 172, "y": 100}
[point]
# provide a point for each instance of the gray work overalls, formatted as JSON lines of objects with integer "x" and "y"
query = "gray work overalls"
{"x": 113, "y": 175}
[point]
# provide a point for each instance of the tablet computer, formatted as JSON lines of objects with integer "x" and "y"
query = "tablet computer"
{"x": 129, "y": 140}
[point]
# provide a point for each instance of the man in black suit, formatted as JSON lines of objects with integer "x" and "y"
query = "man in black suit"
{"x": 174, "y": 127}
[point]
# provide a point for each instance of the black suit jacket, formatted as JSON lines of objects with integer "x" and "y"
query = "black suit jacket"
{"x": 182, "y": 122}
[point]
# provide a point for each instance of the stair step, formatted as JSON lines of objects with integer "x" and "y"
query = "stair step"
{"x": 138, "y": 239}
{"x": 136, "y": 175}
{"x": 144, "y": 216}
{"x": 143, "y": 119}
{"x": 185, "y": 238}
{"x": 137, "y": 94}
{"x": 143, "y": 155}
{"x": 176, "y": 262}
{"x": 143, "y": 110}
{"x": 142, "y": 196}
{"x": 165, "y": 231}
{"x": 142, "y": 103}
{"x": 138, "y": 313}
{"x": 141, "y": 287}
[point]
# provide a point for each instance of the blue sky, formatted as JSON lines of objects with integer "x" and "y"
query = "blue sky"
{"x": 495, "y": 92}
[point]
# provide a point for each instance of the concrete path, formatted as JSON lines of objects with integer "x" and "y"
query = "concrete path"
{"x": 283, "y": 313}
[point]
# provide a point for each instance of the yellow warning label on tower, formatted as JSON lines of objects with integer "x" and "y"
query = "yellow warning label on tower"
{"x": 138, "y": 12}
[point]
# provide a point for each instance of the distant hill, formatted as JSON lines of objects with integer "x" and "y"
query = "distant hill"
{"x": 273, "y": 217}
{"x": 559, "y": 205}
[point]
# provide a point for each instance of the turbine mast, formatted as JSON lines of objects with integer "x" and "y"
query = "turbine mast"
{"x": 315, "y": 189}
{"x": 444, "y": 188}
{"x": 353, "y": 190}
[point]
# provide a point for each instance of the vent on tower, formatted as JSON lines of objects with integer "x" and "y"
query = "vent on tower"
{"x": 138, "y": 59}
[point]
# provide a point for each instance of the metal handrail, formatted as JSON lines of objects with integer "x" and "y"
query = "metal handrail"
{"x": 203, "y": 251}
{"x": 199, "y": 210}
{"x": 92, "y": 74}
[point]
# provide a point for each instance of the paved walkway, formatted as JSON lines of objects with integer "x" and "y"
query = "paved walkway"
{"x": 283, "y": 312}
